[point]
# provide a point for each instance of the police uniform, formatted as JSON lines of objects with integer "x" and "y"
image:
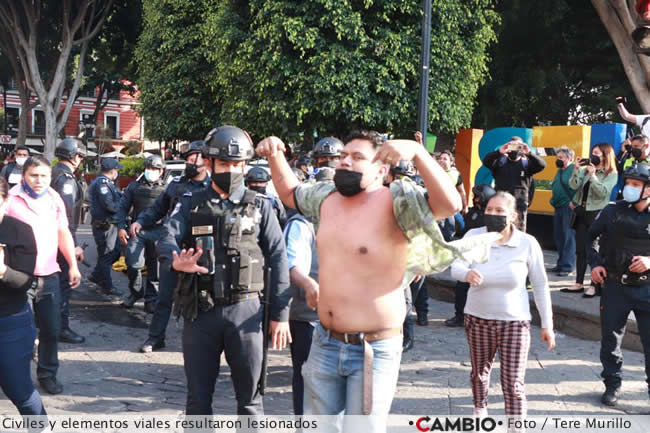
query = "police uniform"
{"x": 71, "y": 191}
{"x": 104, "y": 207}
{"x": 624, "y": 232}
{"x": 258, "y": 174}
{"x": 240, "y": 237}
{"x": 141, "y": 249}
{"x": 163, "y": 206}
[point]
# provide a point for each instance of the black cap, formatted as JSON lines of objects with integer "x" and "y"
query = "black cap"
{"x": 303, "y": 160}
{"x": 110, "y": 163}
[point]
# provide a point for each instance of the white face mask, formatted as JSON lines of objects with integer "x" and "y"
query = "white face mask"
{"x": 152, "y": 175}
{"x": 20, "y": 161}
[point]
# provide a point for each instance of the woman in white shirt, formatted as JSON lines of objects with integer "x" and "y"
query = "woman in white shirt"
{"x": 497, "y": 313}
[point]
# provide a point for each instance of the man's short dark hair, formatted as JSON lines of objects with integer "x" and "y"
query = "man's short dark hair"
{"x": 642, "y": 138}
{"x": 35, "y": 161}
{"x": 374, "y": 137}
{"x": 516, "y": 138}
{"x": 21, "y": 147}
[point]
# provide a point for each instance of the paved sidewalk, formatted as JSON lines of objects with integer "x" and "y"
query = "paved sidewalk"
{"x": 107, "y": 374}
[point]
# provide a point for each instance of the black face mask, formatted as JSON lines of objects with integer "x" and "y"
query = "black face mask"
{"x": 228, "y": 182}
{"x": 636, "y": 153}
{"x": 495, "y": 223}
{"x": 595, "y": 159}
{"x": 260, "y": 189}
{"x": 513, "y": 155}
{"x": 559, "y": 164}
{"x": 191, "y": 170}
{"x": 348, "y": 182}
{"x": 330, "y": 164}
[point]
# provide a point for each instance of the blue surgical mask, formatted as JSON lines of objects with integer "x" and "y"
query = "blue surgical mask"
{"x": 33, "y": 194}
{"x": 631, "y": 194}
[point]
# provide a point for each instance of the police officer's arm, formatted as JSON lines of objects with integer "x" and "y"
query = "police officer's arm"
{"x": 66, "y": 188}
{"x": 125, "y": 206}
{"x": 299, "y": 243}
{"x": 273, "y": 247}
{"x": 284, "y": 181}
{"x": 175, "y": 228}
{"x": 596, "y": 229}
{"x": 111, "y": 205}
{"x": 160, "y": 208}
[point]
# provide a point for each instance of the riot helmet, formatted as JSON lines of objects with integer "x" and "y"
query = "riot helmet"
{"x": 257, "y": 174}
{"x": 483, "y": 193}
{"x": 229, "y": 143}
{"x": 188, "y": 148}
{"x": 68, "y": 148}
{"x": 404, "y": 168}
{"x": 154, "y": 161}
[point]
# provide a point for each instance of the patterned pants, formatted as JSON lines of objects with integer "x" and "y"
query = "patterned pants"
{"x": 512, "y": 340}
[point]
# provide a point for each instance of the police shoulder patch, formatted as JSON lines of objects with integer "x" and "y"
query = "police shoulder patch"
{"x": 103, "y": 189}
{"x": 68, "y": 189}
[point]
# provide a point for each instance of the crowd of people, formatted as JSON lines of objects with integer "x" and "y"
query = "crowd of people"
{"x": 333, "y": 265}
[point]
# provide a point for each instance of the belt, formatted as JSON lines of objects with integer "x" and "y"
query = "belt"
{"x": 356, "y": 338}
{"x": 236, "y": 298}
{"x": 363, "y": 338}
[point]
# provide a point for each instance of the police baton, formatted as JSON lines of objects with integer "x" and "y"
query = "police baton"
{"x": 266, "y": 303}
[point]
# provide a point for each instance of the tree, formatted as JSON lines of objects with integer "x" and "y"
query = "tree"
{"x": 177, "y": 97}
{"x": 77, "y": 22}
{"x": 111, "y": 66}
{"x": 553, "y": 65}
{"x": 295, "y": 68}
{"x": 620, "y": 18}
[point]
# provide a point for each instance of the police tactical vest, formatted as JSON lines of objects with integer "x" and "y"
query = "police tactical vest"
{"x": 145, "y": 195}
{"x": 228, "y": 238}
{"x": 631, "y": 238}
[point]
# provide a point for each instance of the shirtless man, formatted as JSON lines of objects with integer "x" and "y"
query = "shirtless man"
{"x": 363, "y": 236}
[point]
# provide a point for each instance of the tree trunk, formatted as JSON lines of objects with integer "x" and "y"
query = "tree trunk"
{"x": 50, "y": 131}
{"x": 616, "y": 17}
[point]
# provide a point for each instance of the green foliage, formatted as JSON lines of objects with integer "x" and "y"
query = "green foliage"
{"x": 554, "y": 64}
{"x": 291, "y": 68}
{"x": 133, "y": 166}
{"x": 173, "y": 72}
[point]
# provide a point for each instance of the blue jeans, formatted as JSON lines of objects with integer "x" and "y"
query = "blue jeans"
{"x": 108, "y": 251}
{"x": 17, "y": 333}
{"x": 47, "y": 307}
{"x": 301, "y": 334}
{"x": 333, "y": 377}
{"x": 565, "y": 239}
{"x": 163, "y": 310}
{"x": 140, "y": 251}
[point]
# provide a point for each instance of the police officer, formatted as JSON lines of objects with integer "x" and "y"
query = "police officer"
{"x": 327, "y": 152}
{"x": 140, "y": 195}
{"x": 70, "y": 153}
{"x": 104, "y": 208}
{"x": 235, "y": 235}
{"x": 304, "y": 165}
{"x": 194, "y": 179}
{"x": 482, "y": 193}
{"x": 257, "y": 179}
{"x": 623, "y": 266}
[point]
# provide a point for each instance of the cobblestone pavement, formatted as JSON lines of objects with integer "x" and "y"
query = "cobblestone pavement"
{"x": 107, "y": 374}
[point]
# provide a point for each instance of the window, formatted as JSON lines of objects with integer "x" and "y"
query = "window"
{"x": 13, "y": 114}
{"x": 112, "y": 122}
{"x": 88, "y": 93}
{"x": 38, "y": 122}
{"x": 86, "y": 117}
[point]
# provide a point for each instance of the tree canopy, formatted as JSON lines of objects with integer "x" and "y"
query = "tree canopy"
{"x": 297, "y": 69}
